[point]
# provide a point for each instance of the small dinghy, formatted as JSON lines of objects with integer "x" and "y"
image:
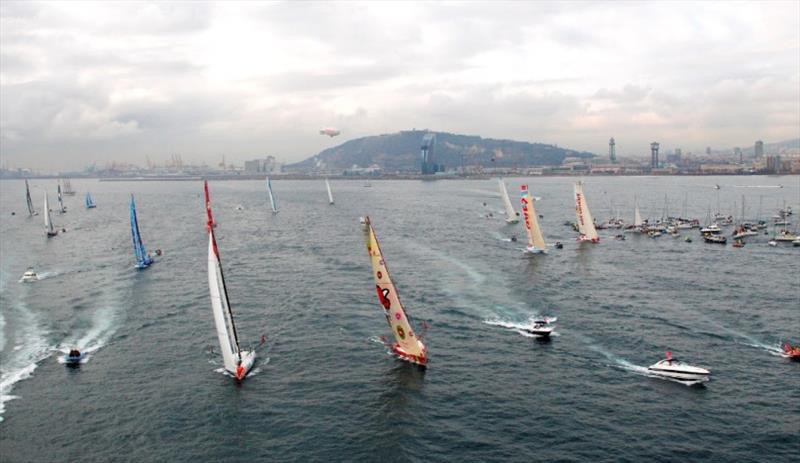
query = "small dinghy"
{"x": 674, "y": 369}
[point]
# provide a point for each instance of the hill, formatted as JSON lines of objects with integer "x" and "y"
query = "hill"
{"x": 401, "y": 152}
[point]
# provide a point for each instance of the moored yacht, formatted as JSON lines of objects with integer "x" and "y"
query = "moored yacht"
{"x": 675, "y": 369}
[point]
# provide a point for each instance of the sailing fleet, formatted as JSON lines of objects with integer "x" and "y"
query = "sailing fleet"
{"x": 408, "y": 344}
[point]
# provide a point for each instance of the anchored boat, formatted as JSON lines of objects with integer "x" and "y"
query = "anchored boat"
{"x": 408, "y": 346}
{"x": 235, "y": 360}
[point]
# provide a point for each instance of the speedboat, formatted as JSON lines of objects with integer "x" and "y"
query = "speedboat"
{"x": 792, "y": 352}
{"x": 675, "y": 369}
{"x": 73, "y": 357}
{"x": 29, "y": 276}
{"x": 540, "y": 327}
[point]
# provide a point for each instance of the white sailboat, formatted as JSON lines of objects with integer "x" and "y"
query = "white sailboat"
{"x": 330, "y": 194}
{"x": 271, "y": 197}
{"x": 68, "y": 191}
{"x": 511, "y": 214}
{"x": 29, "y": 201}
{"x": 408, "y": 346}
{"x": 49, "y": 230}
{"x": 584, "y": 216}
{"x": 236, "y": 361}
{"x": 62, "y": 209}
{"x": 536, "y": 244}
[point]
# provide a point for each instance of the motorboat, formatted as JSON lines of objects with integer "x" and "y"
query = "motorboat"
{"x": 785, "y": 235}
{"x": 718, "y": 239}
{"x": 29, "y": 276}
{"x": 772, "y": 243}
{"x": 73, "y": 357}
{"x": 675, "y": 369}
{"x": 792, "y": 352}
{"x": 713, "y": 228}
{"x": 540, "y": 327}
{"x": 738, "y": 243}
{"x": 796, "y": 242}
{"x": 239, "y": 207}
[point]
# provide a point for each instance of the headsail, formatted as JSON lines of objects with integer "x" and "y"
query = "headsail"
{"x": 585, "y": 222}
{"x": 48, "y": 222}
{"x": 535, "y": 239}
{"x": 31, "y": 211}
{"x": 511, "y": 214}
{"x": 271, "y": 197}
{"x": 330, "y": 194}
{"x": 142, "y": 259}
{"x": 220, "y": 304}
{"x": 408, "y": 346}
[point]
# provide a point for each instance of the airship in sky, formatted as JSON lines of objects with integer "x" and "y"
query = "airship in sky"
{"x": 329, "y": 131}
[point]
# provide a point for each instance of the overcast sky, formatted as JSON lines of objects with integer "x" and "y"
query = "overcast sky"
{"x": 92, "y": 82}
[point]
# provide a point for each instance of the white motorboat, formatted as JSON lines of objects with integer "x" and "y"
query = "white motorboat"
{"x": 541, "y": 327}
{"x": 713, "y": 228}
{"x": 675, "y": 369}
{"x": 29, "y": 275}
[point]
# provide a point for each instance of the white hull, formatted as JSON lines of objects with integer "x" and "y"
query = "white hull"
{"x": 674, "y": 369}
{"x": 534, "y": 250}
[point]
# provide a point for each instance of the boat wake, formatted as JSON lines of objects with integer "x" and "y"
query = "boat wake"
{"x": 102, "y": 327}
{"x": 24, "y": 358}
{"x": 522, "y": 328}
{"x": 774, "y": 350}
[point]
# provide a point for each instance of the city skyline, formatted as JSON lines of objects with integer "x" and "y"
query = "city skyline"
{"x": 91, "y": 82}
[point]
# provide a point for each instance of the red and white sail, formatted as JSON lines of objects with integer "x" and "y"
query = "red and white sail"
{"x": 408, "y": 346}
{"x": 535, "y": 239}
{"x": 585, "y": 221}
{"x": 236, "y": 361}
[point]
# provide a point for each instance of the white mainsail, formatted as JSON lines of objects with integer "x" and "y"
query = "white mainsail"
{"x": 330, "y": 194}
{"x": 235, "y": 360}
{"x": 48, "y": 222}
{"x": 637, "y": 217}
{"x": 511, "y": 214}
{"x": 535, "y": 239}
{"x": 408, "y": 346}
{"x": 271, "y": 197}
{"x": 585, "y": 221}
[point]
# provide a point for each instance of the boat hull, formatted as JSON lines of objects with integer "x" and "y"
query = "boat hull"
{"x": 679, "y": 375}
{"x": 403, "y": 355}
{"x": 248, "y": 360}
{"x": 534, "y": 250}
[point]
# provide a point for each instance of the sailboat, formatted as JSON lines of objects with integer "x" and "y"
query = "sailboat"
{"x": 408, "y": 346}
{"x": 638, "y": 223}
{"x": 68, "y": 191}
{"x": 31, "y": 212}
{"x": 271, "y": 197}
{"x": 585, "y": 222}
{"x": 236, "y": 361}
{"x": 330, "y": 195}
{"x": 61, "y": 209}
{"x": 511, "y": 214}
{"x": 49, "y": 230}
{"x": 89, "y": 201}
{"x": 143, "y": 260}
{"x": 536, "y": 244}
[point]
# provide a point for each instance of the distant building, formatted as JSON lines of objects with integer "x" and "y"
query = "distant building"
{"x": 708, "y": 150}
{"x": 758, "y": 150}
{"x": 612, "y": 151}
{"x": 774, "y": 165}
{"x": 737, "y": 152}
{"x": 269, "y": 165}
{"x": 427, "y": 155}
{"x": 675, "y": 158}
{"x": 654, "y": 155}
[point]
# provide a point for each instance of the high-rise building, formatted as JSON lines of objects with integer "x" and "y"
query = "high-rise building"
{"x": 708, "y": 150}
{"x": 654, "y": 155}
{"x": 737, "y": 152}
{"x": 774, "y": 165}
{"x": 758, "y": 150}
{"x": 612, "y": 151}
{"x": 427, "y": 154}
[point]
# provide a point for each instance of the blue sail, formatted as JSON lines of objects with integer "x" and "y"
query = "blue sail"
{"x": 89, "y": 202}
{"x": 142, "y": 259}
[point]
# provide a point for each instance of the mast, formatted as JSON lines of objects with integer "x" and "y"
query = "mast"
{"x": 220, "y": 303}
{"x": 535, "y": 238}
{"x": 585, "y": 222}
{"x": 28, "y": 198}
{"x": 511, "y": 214}
{"x": 408, "y": 345}
{"x": 271, "y": 197}
{"x": 330, "y": 194}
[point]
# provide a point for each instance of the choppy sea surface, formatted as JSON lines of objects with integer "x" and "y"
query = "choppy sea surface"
{"x": 325, "y": 389}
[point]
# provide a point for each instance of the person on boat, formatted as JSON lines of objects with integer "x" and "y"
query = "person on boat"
{"x": 158, "y": 252}
{"x": 514, "y": 238}
{"x": 74, "y": 353}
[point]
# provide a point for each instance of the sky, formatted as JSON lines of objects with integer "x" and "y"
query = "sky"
{"x": 84, "y": 83}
